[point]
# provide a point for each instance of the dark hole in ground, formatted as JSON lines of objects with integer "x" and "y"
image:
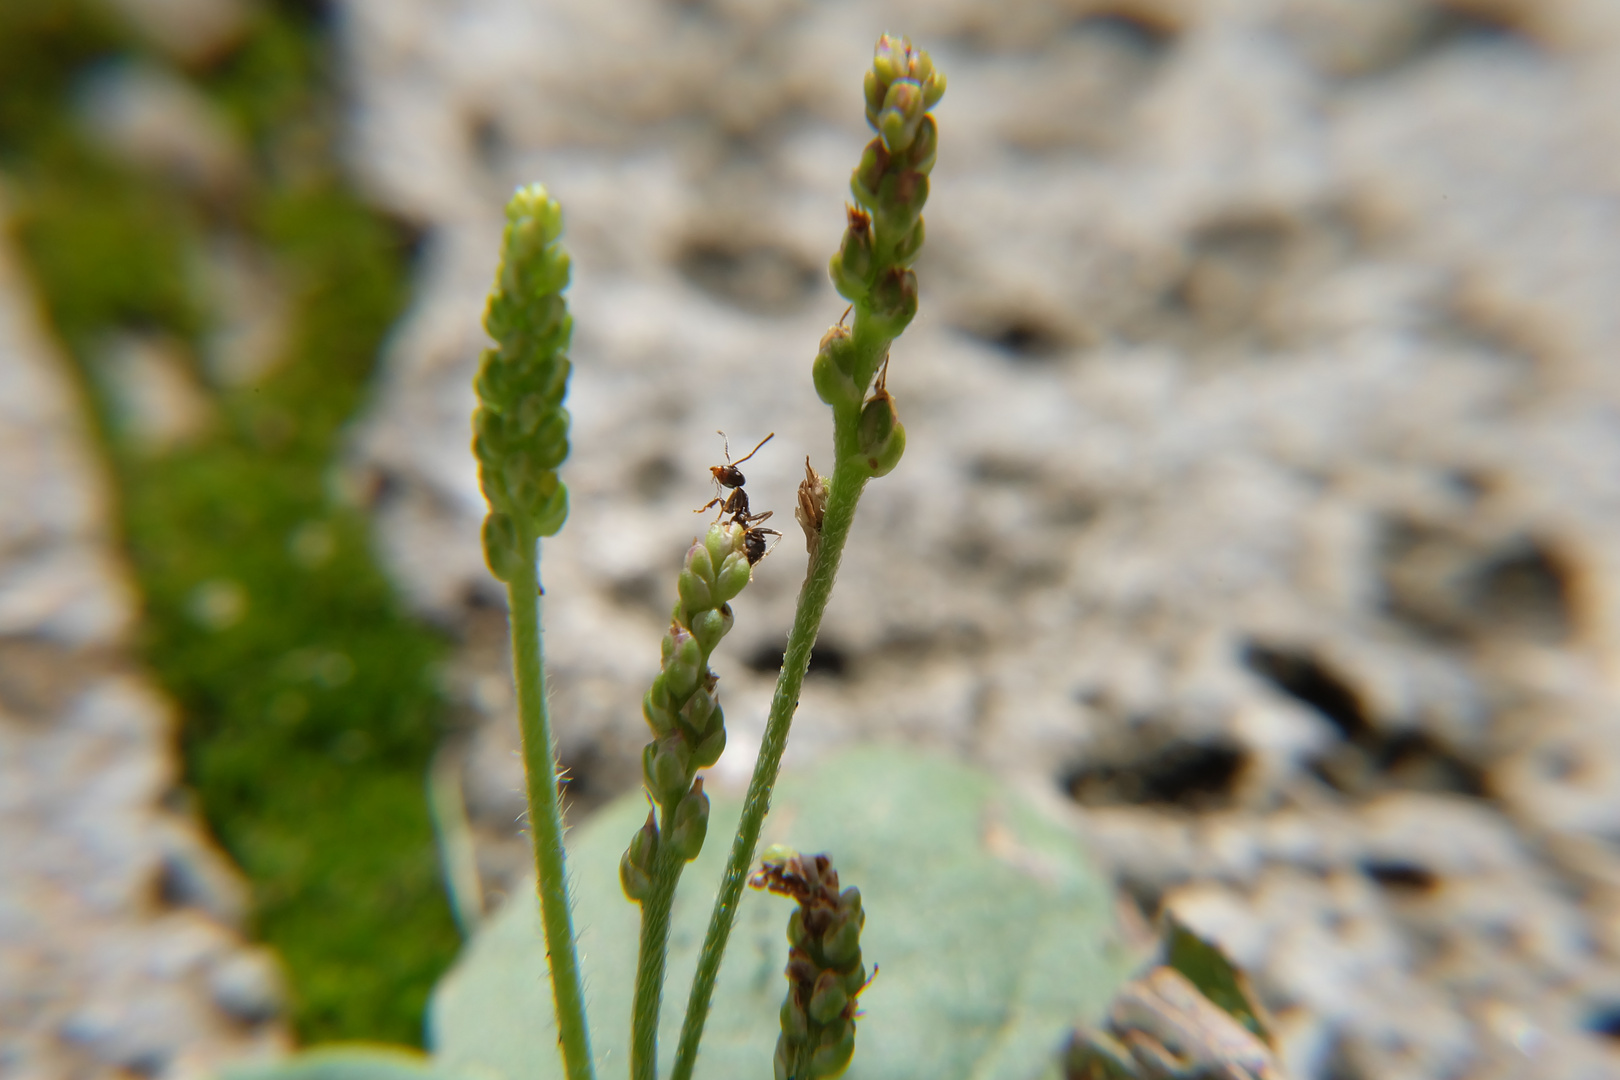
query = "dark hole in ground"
{"x": 1307, "y": 680}
{"x": 641, "y": 591}
{"x": 1368, "y": 759}
{"x": 993, "y": 468}
{"x": 1148, "y": 38}
{"x": 1605, "y": 1021}
{"x": 489, "y": 142}
{"x": 1471, "y": 484}
{"x": 1442, "y": 28}
{"x": 1400, "y": 876}
{"x": 1406, "y": 761}
{"x": 1447, "y": 585}
{"x": 1447, "y": 26}
{"x": 1526, "y": 590}
{"x": 1194, "y": 775}
{"x": 1259, "y": 242}
{"x": 1024, "y": 338}
{"x": 972, "y": 550}
{"x": 652, "y": 477}
{"x": 763, "y": 278}
{"x": 826, "y": 658}
{"x": 1415, "y": 761}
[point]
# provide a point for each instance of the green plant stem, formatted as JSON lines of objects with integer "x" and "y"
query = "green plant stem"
{"x": 848, "y": 481}
{"x": 545, "y": 814}
{"x": 655, "y": 911}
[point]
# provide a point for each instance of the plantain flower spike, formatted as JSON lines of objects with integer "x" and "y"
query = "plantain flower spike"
{"x": 683, "y": 708}
{"x": 883, "y": 236}
{"x": 520, "y": 428}
{"x": 890, "y": 185}
{"x": 824, "y": 969}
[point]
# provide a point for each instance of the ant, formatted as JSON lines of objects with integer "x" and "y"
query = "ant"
{"x": 729, "y": 476}
{"x": 736, "y": 503}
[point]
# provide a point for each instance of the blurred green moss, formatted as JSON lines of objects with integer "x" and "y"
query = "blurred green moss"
{"x": 309, "y": 701}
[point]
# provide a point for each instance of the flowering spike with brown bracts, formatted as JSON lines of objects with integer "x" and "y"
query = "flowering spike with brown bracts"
{"x": 824, "y": 969}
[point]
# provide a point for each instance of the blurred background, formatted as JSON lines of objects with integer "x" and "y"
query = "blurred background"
{"x": 1261, "y": 504}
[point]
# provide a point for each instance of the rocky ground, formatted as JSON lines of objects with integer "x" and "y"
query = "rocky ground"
{"x": 1261, "y": 502}
{"x": 1262, "y": 485}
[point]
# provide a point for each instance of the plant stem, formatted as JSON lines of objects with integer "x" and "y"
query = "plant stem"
{"x": 845, "y": 492}
{"x": 655, "y": 911}
{"x": 545, "y": 812}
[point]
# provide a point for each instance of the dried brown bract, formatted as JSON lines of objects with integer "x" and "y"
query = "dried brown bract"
{"x": 812, "y": 507}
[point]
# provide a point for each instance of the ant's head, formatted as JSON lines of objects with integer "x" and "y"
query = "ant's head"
{"x": 727, "y": 476}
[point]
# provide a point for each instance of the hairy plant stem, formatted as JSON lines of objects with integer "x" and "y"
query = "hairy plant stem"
{"x": 655, "y": 911}
{"x": 545, "y": 813}
{"x": 844, "y": 493}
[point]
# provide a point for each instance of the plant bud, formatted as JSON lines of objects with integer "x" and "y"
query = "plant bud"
{"x": 522, "y": 475}
{"x": 874, "y": 89}
{"x": 828, "y": 999}
{"x": 493, "y": 383}
{"x": 894, "y": 302}
{"x": 842, "y": 947}
{"x": 644, "y": 845}
{"x": 851, "y": 268}
{"x": 902, "y": 112}
{"x": 636, "y": 882}
{"x": 867, "y": 178}
{"x": 833, "y": 1055}
{"x": 549, "y": 516}
{"x": 795, "y": 1024}
{"x": 925, "y": 147}
{"x": 698, "y": 711}
{"x": 660, "y": 719}
{"x": 795, "y": 930}
{"x": 551, "y": 439}
{"x": 695, "y": 592}
{"x": 635, "y": 869}
{"x": 910, "y": 245}
{"x": 720, "y": 541}
{"x": 889, "y": 59}
{"x": 833, "y": 370}
{"x": 710, "y": 625}
{"x": 663, "y": 771}
{"x": 503, "y": 548}
{"x": 698, "y": 561}
{"x": 707, "y": 752}
{"x": 733, "y": 577}
{"x": 691, "y": 822}
{"x": 901, "y": 198}
{"x": 684, "y": 668}
{"x": 882, "y": 436}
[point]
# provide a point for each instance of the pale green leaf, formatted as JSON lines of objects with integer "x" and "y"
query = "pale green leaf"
{"x": 993, "y": 933}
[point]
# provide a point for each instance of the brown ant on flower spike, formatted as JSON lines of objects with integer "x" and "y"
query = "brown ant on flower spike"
{"x": 729, "y": 476}
{"x": 754, "y": 541}
{"x": 736, "y": 503}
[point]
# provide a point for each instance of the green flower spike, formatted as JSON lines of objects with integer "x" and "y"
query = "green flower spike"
{"x": 689, "y": 733}
{"x": 824, "y": 970}
{"x": 883, "y": 235}
{"x": 520, "y": 429}
{"x": 520, "y": 437}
